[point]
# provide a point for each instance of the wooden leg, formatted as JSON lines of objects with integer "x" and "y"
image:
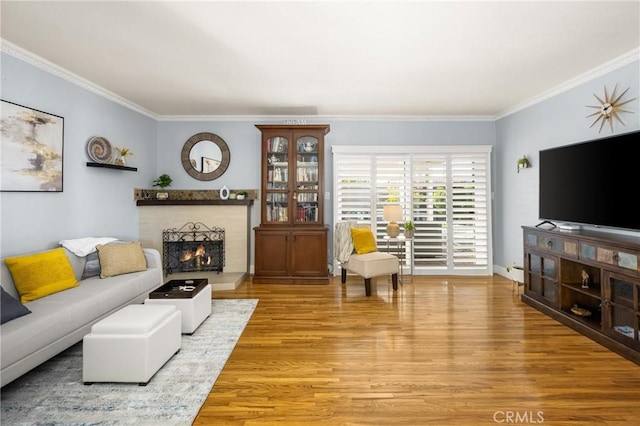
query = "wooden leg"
{"x": 344, "y": 275}
{"x": 394, "y": 281}
{"x": 367, "y": 286}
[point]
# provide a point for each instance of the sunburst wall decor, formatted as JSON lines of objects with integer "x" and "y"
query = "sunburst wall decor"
{"x": 609, "y": 108}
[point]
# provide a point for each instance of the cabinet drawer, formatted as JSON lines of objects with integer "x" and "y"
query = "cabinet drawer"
{"x": 567, "y": 247}
{"x": 626, "y": 260}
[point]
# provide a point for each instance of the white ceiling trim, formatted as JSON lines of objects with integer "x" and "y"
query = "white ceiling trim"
{"x": 599, "y": 71}
{"x": 308, "y": 119}
{"x": 41, "y": 63}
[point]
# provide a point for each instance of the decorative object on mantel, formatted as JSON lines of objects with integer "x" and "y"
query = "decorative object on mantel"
{"x": 190, "y": 194}
{"x": 609, "y": 108}
{"x": 163, "y": 181}
{"x": 123, "y": 152}
{"x": 224, "y": 193}
{"x": 523, "y": 163}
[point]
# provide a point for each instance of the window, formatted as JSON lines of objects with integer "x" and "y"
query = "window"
{"x": 445, "y": 190}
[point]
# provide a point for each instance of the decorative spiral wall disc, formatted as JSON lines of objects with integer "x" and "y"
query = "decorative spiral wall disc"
{"x": 99, "y": 149}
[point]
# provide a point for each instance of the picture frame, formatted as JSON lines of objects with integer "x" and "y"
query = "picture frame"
{"x": 32, "y": 149}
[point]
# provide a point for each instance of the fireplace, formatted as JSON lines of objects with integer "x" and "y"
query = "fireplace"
{"x": 193, "y": 248}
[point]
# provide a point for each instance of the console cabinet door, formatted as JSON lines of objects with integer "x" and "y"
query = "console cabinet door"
{"x": 272, "y": 253}
{"x": 541, "y": 277}
{"x": 621, "y": 310}
{"x": 309, "y": 253}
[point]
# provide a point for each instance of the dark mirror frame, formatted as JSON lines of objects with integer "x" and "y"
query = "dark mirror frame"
{"x": 199, "y": 137}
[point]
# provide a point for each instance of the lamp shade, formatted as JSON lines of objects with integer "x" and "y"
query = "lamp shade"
{"x": 392, "y": 212}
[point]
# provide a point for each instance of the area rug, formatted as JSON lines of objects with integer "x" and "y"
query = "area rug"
{"x": 53, "y": 393}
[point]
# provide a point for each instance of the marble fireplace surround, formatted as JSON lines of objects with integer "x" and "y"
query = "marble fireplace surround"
{"x": 233, "y": 215}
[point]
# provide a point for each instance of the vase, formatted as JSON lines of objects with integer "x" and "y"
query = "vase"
{"x": 408, "y": 234}
{"x": 120, "y": 161}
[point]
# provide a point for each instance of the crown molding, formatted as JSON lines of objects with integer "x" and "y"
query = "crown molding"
{"x": 306, "y": 119}
{"x": 614, "y": 64}
{"x": 39, "y": 62}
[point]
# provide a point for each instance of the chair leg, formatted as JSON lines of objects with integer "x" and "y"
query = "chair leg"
{"x": 344, "y": 275}
{"x": 394, "y": 281}
{"x": 367, "y": 286}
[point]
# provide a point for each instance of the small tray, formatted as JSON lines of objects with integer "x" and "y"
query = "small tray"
{"x": 179, "y": 289}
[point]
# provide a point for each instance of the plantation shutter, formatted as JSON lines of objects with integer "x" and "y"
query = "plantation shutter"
{"x": 444, "y": 190}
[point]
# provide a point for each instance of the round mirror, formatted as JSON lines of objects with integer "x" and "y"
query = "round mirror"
{"x": 205, "y": 156}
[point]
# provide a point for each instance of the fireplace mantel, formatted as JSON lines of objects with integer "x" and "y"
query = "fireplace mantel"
{"x": 194, "y": 202}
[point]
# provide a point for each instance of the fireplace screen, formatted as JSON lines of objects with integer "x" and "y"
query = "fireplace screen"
{"x": 193, "y": 248}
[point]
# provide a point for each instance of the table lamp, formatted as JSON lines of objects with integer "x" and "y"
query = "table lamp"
{"x": 392, "y": 213}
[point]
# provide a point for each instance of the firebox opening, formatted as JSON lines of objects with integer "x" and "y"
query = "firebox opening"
{"x": 193, "y": 248}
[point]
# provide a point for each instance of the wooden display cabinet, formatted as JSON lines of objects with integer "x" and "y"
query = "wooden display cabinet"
{"x": 291, "y": 241}
{"x": 589, "y": 281}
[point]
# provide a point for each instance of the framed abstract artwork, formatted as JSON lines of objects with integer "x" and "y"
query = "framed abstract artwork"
{"x": 32, "y": 147}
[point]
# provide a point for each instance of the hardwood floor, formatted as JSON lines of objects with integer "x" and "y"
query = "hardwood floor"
{"x": 441, "y": 351}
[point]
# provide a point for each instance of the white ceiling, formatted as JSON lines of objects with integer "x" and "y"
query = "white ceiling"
{"x": 347, "y": 58}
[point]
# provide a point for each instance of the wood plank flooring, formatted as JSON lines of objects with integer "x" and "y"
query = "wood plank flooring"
{"x": 440, "y": 350}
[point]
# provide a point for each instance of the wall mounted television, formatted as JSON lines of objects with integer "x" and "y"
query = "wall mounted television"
{"x": 591, "y": 183}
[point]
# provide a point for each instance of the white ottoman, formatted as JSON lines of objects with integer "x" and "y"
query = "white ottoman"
{"x": 131, "y": 345}
{"x": 194, "y": 310}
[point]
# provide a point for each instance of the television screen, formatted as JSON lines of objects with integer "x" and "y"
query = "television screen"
{"x": 591, "y": 183}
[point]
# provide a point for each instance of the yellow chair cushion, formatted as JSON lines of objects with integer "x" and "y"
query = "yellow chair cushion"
{"x": 363, "y": 240}
{"x": 41, "y": 274}
{"x": 117, "y": 259}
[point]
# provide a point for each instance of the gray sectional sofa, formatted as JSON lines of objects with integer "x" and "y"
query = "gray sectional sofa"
{"x": 62, "y": 319}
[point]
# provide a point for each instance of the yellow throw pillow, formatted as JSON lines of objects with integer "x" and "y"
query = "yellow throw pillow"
{"x": 363, "y": 240}
{"x": 117, "y": 259}
{"x": 41, "y": 274}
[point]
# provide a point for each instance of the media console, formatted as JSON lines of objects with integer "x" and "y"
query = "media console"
{"x": 587, "y": 280}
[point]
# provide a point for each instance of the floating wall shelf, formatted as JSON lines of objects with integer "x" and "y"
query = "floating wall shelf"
{"x": 112, "y": 166}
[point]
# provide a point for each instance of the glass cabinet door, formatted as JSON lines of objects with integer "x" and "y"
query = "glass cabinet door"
{"x": 622, "y": 298}
{"x": 277, "y": 176}
{"x": 307, "y": 184}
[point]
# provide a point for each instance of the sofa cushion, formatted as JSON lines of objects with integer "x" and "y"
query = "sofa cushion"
{"x": 373, "y": 264}
{"x": 91, "y": 266}
{"x": 120, "y": 259}
{"x": 10, "y": 308}
{"x": 363, "y": 240}
{"x": 41, "y": 274}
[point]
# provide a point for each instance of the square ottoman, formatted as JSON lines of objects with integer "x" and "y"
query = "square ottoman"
{"x": 195, "y": 305}
{"x": 131, "y": 344}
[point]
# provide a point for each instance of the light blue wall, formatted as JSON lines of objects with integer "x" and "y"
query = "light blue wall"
{"x": 560, "y": 120}
{"x": 243, "y": 139}
{"x": 98, "y": 202}
{"x": 95, "y": 202}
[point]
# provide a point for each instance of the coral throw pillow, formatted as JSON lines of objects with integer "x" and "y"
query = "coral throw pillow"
{"x": 363, "y": 240}
{"x": 41, "y": 274}
{"x": 117, "y": 259}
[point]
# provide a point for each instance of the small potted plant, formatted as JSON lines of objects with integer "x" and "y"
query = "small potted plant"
{"x": 163, "y": 181}
{"x": 409, "y": 229}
